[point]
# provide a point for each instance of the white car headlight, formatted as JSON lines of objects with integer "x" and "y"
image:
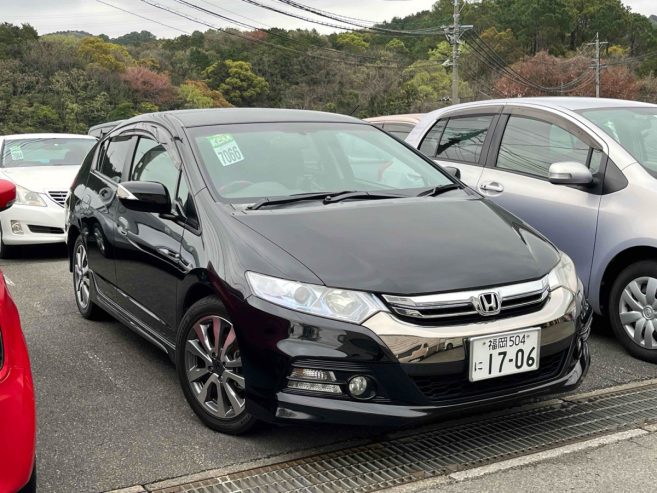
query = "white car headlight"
{"x": 564, "y": 275}
{"x": 339, "y": 304}
{"x": 28, "y": 197}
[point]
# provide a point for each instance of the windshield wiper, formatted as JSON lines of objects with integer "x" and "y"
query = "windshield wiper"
{"x": 292, "y": 198}
{"x": 433, "y": 191}
{"x": 340, "y": 196}
{"x": 326, "y": 197}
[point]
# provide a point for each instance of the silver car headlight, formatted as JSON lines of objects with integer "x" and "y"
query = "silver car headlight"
{"x": 564, "y": 275}
{"x": 338, "y": 304}
{"x": 28, "y": 197}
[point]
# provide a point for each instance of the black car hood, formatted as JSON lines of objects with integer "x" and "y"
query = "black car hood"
{"x": 408, "y": 246}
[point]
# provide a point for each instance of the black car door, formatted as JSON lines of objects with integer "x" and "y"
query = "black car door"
{"x": 148, "y": 262}
{"x": 98, "y": 223}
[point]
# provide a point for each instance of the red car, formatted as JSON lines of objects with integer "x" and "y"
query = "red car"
{"x": 17, "y": 413}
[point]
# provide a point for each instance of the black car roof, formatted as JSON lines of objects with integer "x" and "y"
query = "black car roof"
{"x": 219, "y": 116}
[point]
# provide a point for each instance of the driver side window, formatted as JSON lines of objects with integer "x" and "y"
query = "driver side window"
{"x": 152, "y": 162}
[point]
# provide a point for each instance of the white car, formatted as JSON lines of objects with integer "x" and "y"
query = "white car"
{"x": 43, "y": 167}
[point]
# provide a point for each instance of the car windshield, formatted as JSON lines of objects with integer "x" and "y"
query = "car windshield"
{"x": 44, "y": 151}
{"x": 633, "y": 128}
{"x": 247, "y": 162}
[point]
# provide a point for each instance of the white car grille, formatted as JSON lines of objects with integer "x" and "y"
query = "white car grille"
{"x": 58, "y": 196}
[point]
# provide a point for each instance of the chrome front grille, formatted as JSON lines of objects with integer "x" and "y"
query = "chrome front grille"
{"x": 465, "y": 306}
{"x": 58, "y": 196}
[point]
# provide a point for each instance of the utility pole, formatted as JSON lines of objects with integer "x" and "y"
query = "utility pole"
{"x": 596, "y": 63}
{"x": 453, "y": 34}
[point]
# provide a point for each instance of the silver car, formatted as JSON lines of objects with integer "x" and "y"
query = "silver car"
{"x": 583, "y": 171}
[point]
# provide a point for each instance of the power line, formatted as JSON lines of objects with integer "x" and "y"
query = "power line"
{"x": 241, "y": 35}
{"x": 351, "y": 21}
{"x": 142, "y": 16}
{"x": 351, "y": 26}
{"x": 270, "y": 32}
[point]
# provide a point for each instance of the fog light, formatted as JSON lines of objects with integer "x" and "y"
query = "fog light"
{"x": 313, "y": 374}
{"x": 16, "y": 227}
{"x": 360, "y": 387}
{"x": 314, "y": 387}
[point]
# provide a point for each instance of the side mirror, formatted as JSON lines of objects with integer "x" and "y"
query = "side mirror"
{"x": 7, "y": 194}
{"x": 570, "y": 173}
{"x": 144, "y": 196}
{"x": 454, "y": 171}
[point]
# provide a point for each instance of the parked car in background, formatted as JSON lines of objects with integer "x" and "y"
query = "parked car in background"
{"x": 17, "y": 410}
{"x": 42, "y": 166}
{"x": 583, "y": 171}
{"x": 289, "y": 283}
{"x": 102, "y": 129}
{"x": 398, "y": 125}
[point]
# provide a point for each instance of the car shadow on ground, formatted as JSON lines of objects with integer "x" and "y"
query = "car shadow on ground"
{"x": 55, "y": 251}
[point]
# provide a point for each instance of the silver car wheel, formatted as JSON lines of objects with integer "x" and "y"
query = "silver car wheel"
{"x": 638, "y": 311}
{"x": 214, "y": 367}
{"x": 81, "y": 277}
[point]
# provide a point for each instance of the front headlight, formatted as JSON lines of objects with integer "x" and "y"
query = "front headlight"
{"x": 28, "y": 197}
{"x": 339, "y": 304}
{"x": 564, "y": 275}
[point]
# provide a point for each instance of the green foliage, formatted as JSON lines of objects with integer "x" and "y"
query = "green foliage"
{"x": 69, "y": 80}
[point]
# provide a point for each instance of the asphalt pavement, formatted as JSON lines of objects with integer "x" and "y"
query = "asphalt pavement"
{"x": 111, "y": 413}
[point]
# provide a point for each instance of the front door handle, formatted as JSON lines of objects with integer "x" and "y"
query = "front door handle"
{"x": 169, "y": 253}
{"x": 492, "y": 186}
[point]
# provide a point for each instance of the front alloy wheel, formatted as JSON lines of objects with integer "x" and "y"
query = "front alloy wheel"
{"x": 210, "y": 368}
{"x": 633, "y": 309}
{"x": 82, "y": 285}
{"x": 213, "y": 366}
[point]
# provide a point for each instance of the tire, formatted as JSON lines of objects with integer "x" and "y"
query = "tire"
{"x": 210, "y": 367}
{"x": 82, "y": 284}
{"x": 31, "y": 485}
{"x": 633, "y": 309}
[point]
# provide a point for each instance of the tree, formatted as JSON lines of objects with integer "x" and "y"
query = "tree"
{"x": 237, "y": 82}
{"x": 109, "y": 56}
{"x": 149, "y": 86}
{"x": 549, "y": 71}
{"x": 197, "y": 94}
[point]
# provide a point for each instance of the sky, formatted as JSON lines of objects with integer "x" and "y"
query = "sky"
{"x": 99, "y": 18}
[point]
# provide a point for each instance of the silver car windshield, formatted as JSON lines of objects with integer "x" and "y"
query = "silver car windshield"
{"x": 247, "y": 162}
{"x": 633, "y": 128}
{"x": 44, "y": 151}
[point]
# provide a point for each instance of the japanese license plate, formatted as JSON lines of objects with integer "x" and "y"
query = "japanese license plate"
{"x": 503, "y": 354}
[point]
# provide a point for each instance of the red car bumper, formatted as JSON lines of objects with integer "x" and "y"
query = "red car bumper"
{"x": 17, "y": 411}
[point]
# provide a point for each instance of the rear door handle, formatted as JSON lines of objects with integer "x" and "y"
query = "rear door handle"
{"x": 492, "y": 186}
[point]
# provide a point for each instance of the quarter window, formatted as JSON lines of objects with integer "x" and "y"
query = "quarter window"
{"x": 116, "y": 154}
{"x": 152, "y": 162}
{"x": 531, "y": 146}
{"x": 429, "y": 145}
{"x": 463, "y": 139}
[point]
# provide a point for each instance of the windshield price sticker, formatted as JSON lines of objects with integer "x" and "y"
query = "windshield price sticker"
{"x": 16, "y": 153}
{"x": 226, "y": 149}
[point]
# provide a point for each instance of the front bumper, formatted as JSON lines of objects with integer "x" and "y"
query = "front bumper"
{"x": 420, "y": 372}
{"x": 29, "y": 225}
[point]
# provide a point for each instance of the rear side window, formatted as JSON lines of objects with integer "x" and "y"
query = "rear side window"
{"x": 531, "y": 146}
{"x": 463, "y": 139}
{"x": 117, "y": 153}
{"x": 429, "y": 145}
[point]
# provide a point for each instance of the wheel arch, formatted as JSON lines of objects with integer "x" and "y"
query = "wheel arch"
{"x": 71, "y": 235}
{"x": 614, "y": 267}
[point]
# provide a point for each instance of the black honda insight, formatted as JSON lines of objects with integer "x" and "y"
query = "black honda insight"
{"x": 308, "y": 266}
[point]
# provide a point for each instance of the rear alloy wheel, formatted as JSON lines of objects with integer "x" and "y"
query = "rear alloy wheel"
{"x": 210, "y": 368}
{"x": 633, "y": 309}
{"x": 82, "y": 285}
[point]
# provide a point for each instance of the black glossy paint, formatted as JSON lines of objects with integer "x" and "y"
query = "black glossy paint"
{"x": 149, "y": 268}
